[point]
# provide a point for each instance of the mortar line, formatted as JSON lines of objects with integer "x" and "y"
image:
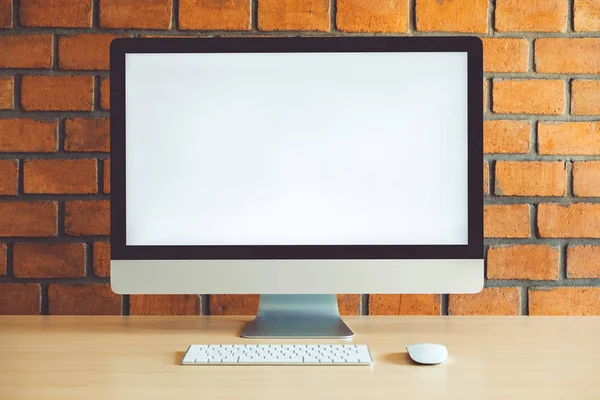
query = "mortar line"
{"x": 10, "y": 272}
{"x": 332, "y": 16}
{"x": 524, "y": 300}
{"x": 568, "y": 89}
{"x": 203, "y": 304}
{"x": 95, "y": 14}
{"x": 570, "y": 17}
{"x": 254, "y": 16}
{"x": 364, "y": 304}
{"x": 533, "y": 145}
{"x": 125, "y": 304}
{"x": 562, "y": 263}
{"x": 44, "y": 299}
{"x": 15, "y": 17}
{"x": 569, "y": 178}
{"x": 533, "y": 231}
{"x": 89, "y": 259}
{"x": 444, "y": 301}
{"x": 412, "y": 17}
{"x": 491, "y": 18}
{"x": 174, "y": 16}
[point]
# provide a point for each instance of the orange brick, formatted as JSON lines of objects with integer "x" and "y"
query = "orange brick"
{"x": 105, "y": 94}
{"x": 85, "y": 52}
{"x": 56, "y": 13}
{"x": 531, "y": 178}
{"x": 26, "y": 51}
{"x": 101, "y": 259}
{"x": 583, "y": 262}
{"x": 57, "y": 93}
{"x": 28, "y": 218}
{"x": 85, "y": 218}
{"x": 20, "y": 298}
{"x": 565, "y": 301}
{"x": 506, "y": 136}
{"x": 2, "y": 258}
{"x": 49, "y": 260}
{"x": 573, "y": 138}
{"x": 531, "y": 15}
{"x": 586, "y": 179}
{"x": 568, "y": 55}
{"x": 106, "y": 182}
{"x": 7, "y": 88}
{"x": 505, "y": 55}
{"x": 528, "y": 261}
{"x": 404, "y": 304}
{"x": 293, "y": 15}
{"x": 214, "y": 14}
{"x": 585, "y": 97}
{"x": 536, "y": 96}
{"x": 486, "y": 177}
{"x": 452, "y": 16}
{"x": 506, "y": 221}
{"x": 144, "y": 14}
{"x": 233, "y": 304}
{"x": 164, "y": 304}
{"x": 60, "y": 176}
{"x": 28, "y": 135}
{"x": 9, "y": 171}
{"x": 587, "y": 15}
{"x": 6, "y": 15}
{"x": 490, "y": 301}
{"x": 349, "y": 304}
{"x": 372, "y": 15}
{"x": 577, "y": 220}
{"x": 84, "y": 134}
{"x": 95, "y": 299}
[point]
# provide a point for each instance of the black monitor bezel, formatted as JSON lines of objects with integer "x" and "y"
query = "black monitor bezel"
{"x": 471, "y": 45}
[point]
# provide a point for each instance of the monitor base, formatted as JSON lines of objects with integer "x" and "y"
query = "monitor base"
{"x": 297, "y": 316}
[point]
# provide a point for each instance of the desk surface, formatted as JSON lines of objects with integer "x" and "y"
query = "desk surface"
{"x": 138, "y": 358}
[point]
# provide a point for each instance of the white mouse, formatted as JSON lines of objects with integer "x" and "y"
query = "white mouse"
{"x": 427, "y": 353}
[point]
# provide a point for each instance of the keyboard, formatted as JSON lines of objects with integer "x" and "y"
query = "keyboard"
{"x": 278, "y": 354}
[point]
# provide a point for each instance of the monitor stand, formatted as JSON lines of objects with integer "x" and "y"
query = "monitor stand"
{"x": 297, "y": 316}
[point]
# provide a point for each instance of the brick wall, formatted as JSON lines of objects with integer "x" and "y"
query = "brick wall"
{"x": 542, "y": 144}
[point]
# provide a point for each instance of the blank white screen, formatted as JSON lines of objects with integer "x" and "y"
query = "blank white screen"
{"x": 296, "y": 148}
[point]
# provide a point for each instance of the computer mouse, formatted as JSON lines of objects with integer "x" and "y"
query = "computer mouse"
{"x": 427, "y": 353}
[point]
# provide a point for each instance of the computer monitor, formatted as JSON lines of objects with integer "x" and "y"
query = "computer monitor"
{"x": 296, "y": 168}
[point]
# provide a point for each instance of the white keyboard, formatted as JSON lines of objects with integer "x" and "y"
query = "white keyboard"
{"x": 277, "y": 354}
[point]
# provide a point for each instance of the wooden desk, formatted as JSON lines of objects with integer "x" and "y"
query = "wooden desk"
{"x": 88, "y": 358}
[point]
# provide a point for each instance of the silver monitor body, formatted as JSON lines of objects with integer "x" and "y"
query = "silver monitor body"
{"x": 296, "y": 167}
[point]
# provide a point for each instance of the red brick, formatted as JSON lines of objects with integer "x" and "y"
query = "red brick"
{"x": 233, "y": 304}
{"x": 527, "y": 261}
{"x": 7, "y": 89}
{"x": 144, "y": 14}
{"x": 586, "y": 179}
{"x": 2, "y": 258}
{"x": 587, "y": 15}
{"x": 490, "y": 301}
{"x": 293, "y": 15}
{"x": 26, "y": 51}
{"x": 577, "y": 220}
{"x": 214, "y": 14}
{"x": 506, "y": 221}
{"x": 6, "y": 15}
{"x": 531, "y": 15}
{"x": 583, "y": 262}
{"x": 9, "y": 171}
{"x": 349, "y": 304}
{"x": 105, "y": 94}
{"x": 585, "y": 97}
{"x": 505, "y": 55}
{"x": 404, "y": 304}
{"x": 60, "y": 176}
{"x": 85, "y": 51}
{"x": 28, "y": 135}
{"x": 20, "y": 298}
{"x": 535, "y": 96}
{"x": 102, "y": 259}
{"x": 572, "y": 138}
{"x": 531, "y": 178}
{"x": 506, "y": 136}
{"x": 28, "y": 218}
{"x": 49, "y": 260}
{"x": 57, "y": 93}
{"x": 56, "y": 13}
{"x": 565, "y": 301}
{"x": 164, "y": 304}
{"x": 85, "y": 134}
{"x": 95, "y": 299}
{"x": 106, "y": 182}
{"x": 452, "y": 16}
{"x": 568, "y": 55}
{"x": 486, "y": 177}
{"x": 84, "y": 218}
{"x": 372, "y": 16}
